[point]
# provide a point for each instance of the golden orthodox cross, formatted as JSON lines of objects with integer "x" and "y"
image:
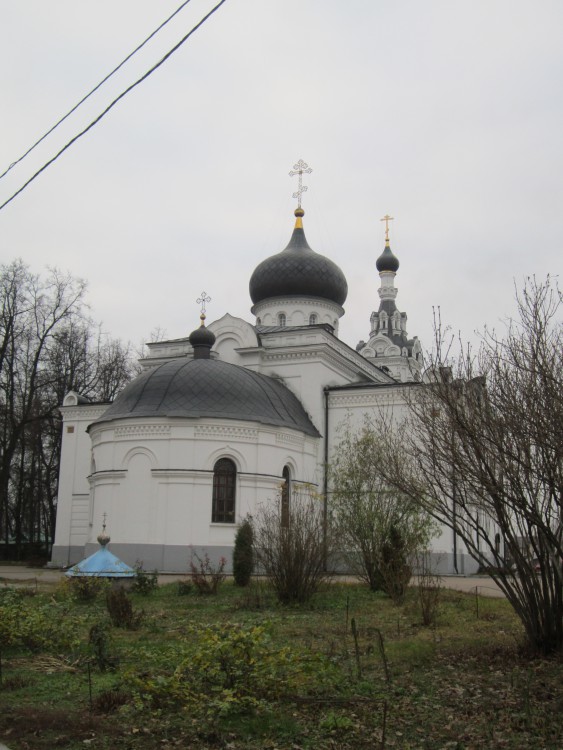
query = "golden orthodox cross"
{"x": 387, "y": 219}
{"x": 300, "y": 169}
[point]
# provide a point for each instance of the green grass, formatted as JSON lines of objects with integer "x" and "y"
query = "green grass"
{"x": 463, "y": 683}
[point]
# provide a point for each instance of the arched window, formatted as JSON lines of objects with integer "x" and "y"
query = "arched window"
{"x": 281, "y": 319}
{"x": 312, "y": 319}
{"x": 224, "y": 490}
{"x": 285, "y": 495}
{"x": 258, "y": 321}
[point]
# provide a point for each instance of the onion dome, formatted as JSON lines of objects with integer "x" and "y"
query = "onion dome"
{"x": 103, "y": 538}
{"x": 202, "y": 339}
{"x": 199, "y": 388}
{"x": 387, "y": 261}
{"x": 298, "y": 271}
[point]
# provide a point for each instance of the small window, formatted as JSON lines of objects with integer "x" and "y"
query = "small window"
{"x": 285, "y": 495}
{"x": 312, "y": 319}
{"x": 281, "y": 319}
{"x": 224, "y": 486}
{"x": 258, "y": 321}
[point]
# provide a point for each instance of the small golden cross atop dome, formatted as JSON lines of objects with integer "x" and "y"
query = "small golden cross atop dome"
{"x": 387, "y": 219}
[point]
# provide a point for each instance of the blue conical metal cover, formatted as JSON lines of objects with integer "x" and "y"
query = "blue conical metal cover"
{"x": 103, "y": 564}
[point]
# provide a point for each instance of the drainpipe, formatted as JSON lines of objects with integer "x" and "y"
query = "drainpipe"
{"x": 325, "y": 479}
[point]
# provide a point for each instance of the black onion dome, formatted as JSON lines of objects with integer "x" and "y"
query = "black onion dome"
{"x": 387, "y": 261}
{"x": 202, "y": 336}
{"x": 202, "y": 339}
{"x": 298, "y": 271}
{"x": 194, "y": 388}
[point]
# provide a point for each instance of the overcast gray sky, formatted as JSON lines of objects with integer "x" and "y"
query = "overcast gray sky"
{"x": 446, "y": 114}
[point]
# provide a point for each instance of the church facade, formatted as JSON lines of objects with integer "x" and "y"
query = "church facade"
{"x": 219, "y": 422}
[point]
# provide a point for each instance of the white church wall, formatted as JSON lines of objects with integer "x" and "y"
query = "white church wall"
{"x": 232, "y": 334}
{"x": 73, "y": 501}
{"x": 154, "y": 481}
{"x": 350, "y": 409}
{"x": 297, "y": 311}
{"x": 306, "y": 372}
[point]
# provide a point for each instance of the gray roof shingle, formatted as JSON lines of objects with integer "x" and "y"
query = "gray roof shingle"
{"x": 210, "y": 388}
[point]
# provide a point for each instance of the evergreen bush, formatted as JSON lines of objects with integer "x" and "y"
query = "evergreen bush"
{"x": 243, "y": 554}
{"x": 395, "y": 572}
{"x": 144, "y": 583}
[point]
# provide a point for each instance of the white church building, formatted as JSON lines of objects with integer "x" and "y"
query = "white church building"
{"x": 217, "y": 423}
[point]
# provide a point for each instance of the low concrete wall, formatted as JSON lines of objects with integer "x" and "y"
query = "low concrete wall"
{"x": 176, "y": 558}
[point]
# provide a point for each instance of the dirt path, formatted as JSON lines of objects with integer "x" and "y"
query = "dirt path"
{"x": 43, "y": 577}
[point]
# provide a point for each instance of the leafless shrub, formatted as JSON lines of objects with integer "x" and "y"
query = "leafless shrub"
{"x": 206, "y": 576}
{"x": 482, "y": 451}
{"x": 293, "y": 550}
{"x": 428, "y": 588}
{"x": 120, "y": 610}
{"x": 109, "y": 701}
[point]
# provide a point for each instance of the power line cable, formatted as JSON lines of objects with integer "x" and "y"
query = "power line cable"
{"x": 93, "y": 91}
{"x": 113, "y": 103}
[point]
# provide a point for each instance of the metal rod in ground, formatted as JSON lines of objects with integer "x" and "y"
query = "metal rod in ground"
{"x": 384, "y": 727}
{"x": 383, "y": 655}
{"x": 356, "y": 647}
{"x": 90, "y": 685}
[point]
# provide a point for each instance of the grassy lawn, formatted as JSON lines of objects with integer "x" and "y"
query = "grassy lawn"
{"x": 350, "y": 670}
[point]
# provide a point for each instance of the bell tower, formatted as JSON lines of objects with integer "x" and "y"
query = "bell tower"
{"x": 389, "y": 346}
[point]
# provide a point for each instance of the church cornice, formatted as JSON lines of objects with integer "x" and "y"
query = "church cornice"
{"x": 225, "y": 432}
{"x": 366, "y": 396}
{"x": 283, "y": 438}
{"x": 304, "y": 301}
{"x": 126, "y": 432}
{"x": 342, "y": 357}
{"x": 363, "y": 400}
{"x": 84, "y": 412}
{"x": 107, "y": 476}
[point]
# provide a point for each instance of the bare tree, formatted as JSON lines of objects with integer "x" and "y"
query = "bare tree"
{"x": 48, "y": 346}
{"x": 379, "y": 529}
{"x": 483, "y": 451}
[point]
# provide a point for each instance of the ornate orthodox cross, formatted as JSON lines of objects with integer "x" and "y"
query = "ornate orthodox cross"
{"x": 104, "y": 516}
{"x": 300, "y": 169}
{"x": 387, "y": 219}
{"x": 203, "y": 300}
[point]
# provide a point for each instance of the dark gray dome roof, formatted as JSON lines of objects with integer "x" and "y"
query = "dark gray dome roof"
{"x": 209, "y": 388}
{"x": 202, "y": 340}
{"x": 298, "y": 271}
{"x": 387, "y": 261}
